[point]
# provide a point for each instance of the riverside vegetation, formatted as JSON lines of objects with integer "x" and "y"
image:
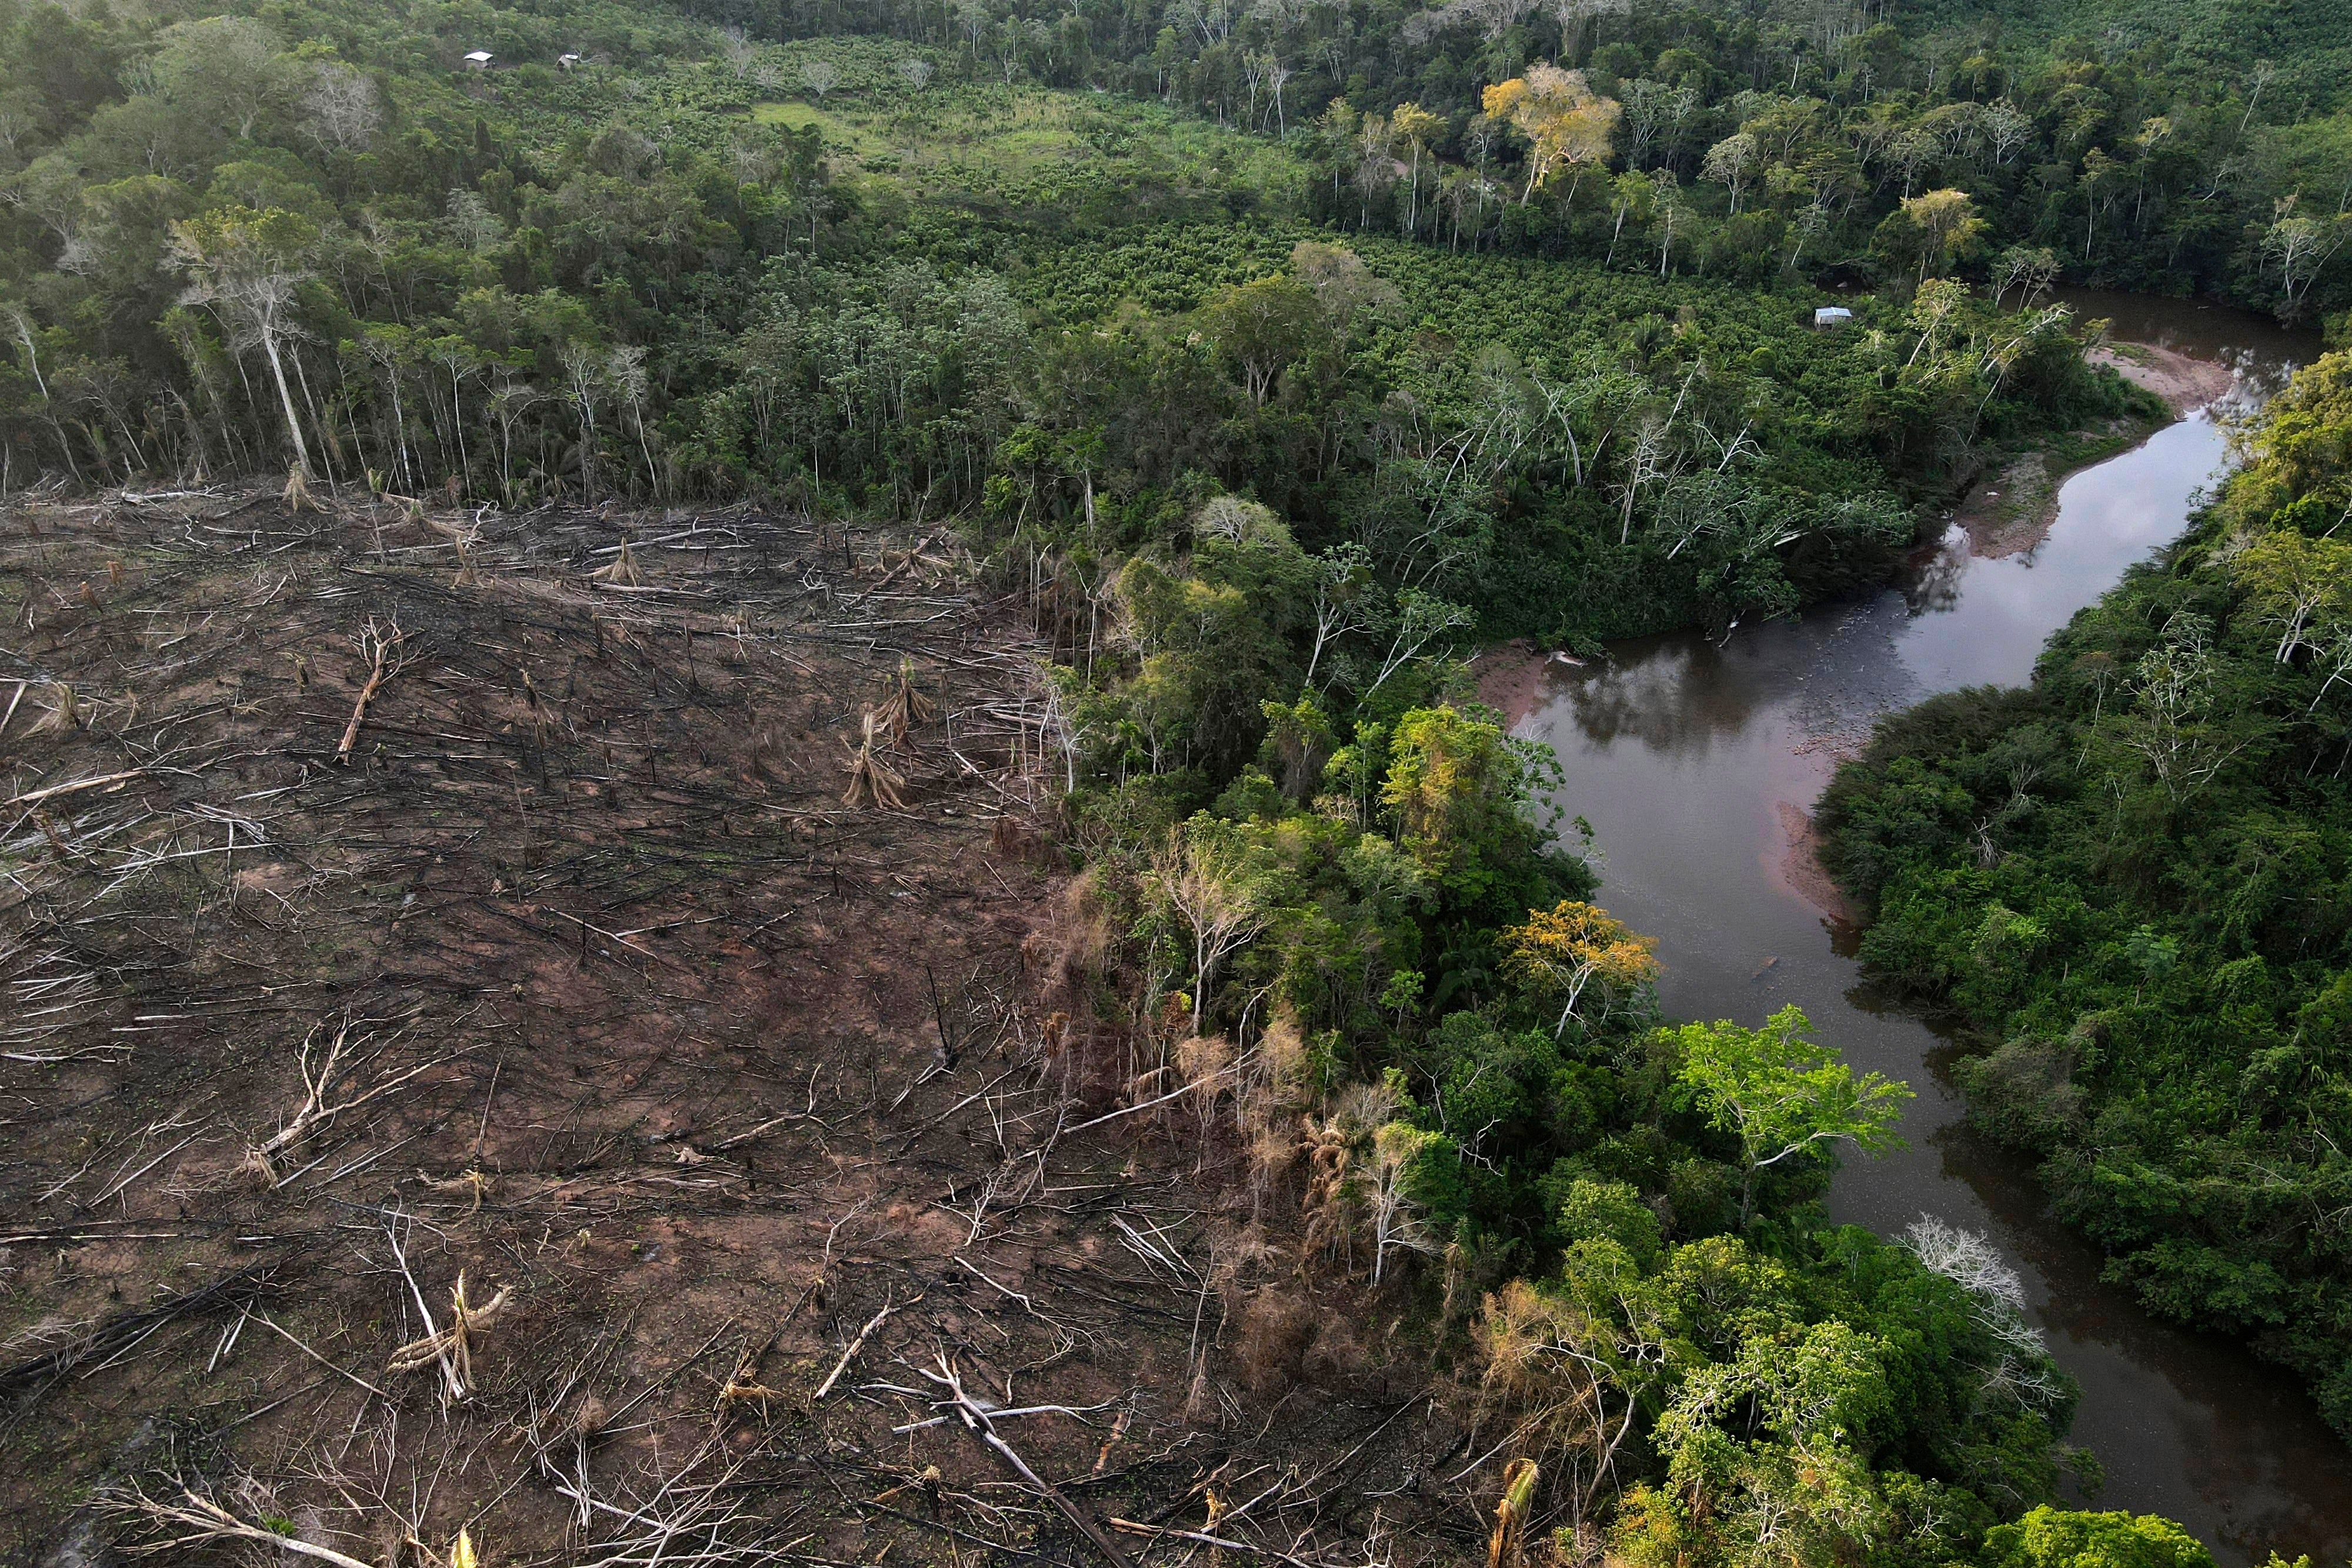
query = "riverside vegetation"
{"x": 2127, "y": 877}
{"x": 1315, "y": 346}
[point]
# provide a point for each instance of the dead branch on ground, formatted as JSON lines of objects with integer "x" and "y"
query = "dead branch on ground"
{"x": 686, "y": 1521}
{"x": 199, "y": 1520}
{"x": 317, "y": 1109}
{"x": 453, "y": 1347}
{"x": 381, "y": 649}
{"x": 126, "y": 1329}
{"x": 33, "y": 797}
{"x": 977, "y": 1421}
{"x": 856, "y": 1345}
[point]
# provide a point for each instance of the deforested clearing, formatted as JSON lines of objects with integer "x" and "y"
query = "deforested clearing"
{"x": 556, "y": 1112}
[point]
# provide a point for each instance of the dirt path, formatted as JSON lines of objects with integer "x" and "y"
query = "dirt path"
{"x": 580, "y": 978}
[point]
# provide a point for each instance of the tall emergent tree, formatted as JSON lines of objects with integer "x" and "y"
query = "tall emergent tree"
{"x": 1784, "y": 1094}
{"x": 1564, "y": 121}
{"x": 247, "y": 264}
{"x": 1562, "y": 952}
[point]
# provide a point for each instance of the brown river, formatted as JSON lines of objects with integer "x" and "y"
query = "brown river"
{"x": 1698, "y": 765}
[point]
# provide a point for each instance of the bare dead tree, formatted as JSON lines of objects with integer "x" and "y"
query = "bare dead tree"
{"x": 381, "y": 648}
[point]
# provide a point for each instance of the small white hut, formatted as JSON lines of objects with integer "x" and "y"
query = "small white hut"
{"x": 1832, "y": 316}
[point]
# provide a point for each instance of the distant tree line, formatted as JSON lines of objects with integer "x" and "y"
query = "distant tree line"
{"x": 1753, "y": 140}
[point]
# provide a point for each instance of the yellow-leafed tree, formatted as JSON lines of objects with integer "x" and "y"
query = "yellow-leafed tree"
{"x": 1564, "y": 122}
{"x": 1562, "y": 953}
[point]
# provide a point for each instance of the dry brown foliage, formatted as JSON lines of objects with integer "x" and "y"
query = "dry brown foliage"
{"x": 1334, "y": 1355}
{"x": 906, "y": 705}
{"x": 1275, "y": 1330}
{"x": 1335, "y": 1146}
{"x": 1067, "y": 956}
{"x": 296, "y": 494}
{"x": 872, "y": 781}
{"x": 1277, "y": 1081}
{"x": 1504, "y": 1548}
{"x": 65, "y": 713}
{"x": 1331, "y": 1155}
{"x": 1561, "y": 1383}
{"x": 1516, "y": 1332}
{"x": 1202, "y": 1062}
{"x": 621, "y": 571}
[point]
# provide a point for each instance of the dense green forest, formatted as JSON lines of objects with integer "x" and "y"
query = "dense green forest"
{"x": 1610, "y": 1224}
{"x": 2131, "y": 879}
{"x": 1275, "y": 358}
{"x": 298, "y": 238}
{"x": 2157, "y": 145}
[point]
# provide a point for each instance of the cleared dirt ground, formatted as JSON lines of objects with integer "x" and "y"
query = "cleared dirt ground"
{"x": 576, "y": 977}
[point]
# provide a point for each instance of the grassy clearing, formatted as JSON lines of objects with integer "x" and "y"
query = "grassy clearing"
{"x": 950, "y": 142}
{"x": 1036, "y": 142}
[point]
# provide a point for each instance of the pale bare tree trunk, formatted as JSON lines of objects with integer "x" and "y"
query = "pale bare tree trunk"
{"x": 33, "y": 359}
{"x": 286, "y": 399}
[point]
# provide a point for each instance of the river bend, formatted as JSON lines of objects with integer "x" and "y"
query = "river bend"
{"x": 1698, "y": 766}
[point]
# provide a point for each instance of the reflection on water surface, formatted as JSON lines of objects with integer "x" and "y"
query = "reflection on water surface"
{"x": 1697, "y": 766}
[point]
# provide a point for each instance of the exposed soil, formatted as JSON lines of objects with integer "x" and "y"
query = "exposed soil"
{"x": 2013, "y": 510}
{"x": 2010, "y": 510}
{"x": 2184, "y": 383}
{"x": 693, "y": 1067}
{"x": 1800, "y": 870}
{"x": 1513, "y": 677}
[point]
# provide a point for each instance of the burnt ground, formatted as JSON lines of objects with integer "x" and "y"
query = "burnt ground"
{"x": 687, "y": 1066}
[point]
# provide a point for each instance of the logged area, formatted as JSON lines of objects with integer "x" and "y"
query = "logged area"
{"x": 746, "y": 820}
{"x": 464, "y": 1054}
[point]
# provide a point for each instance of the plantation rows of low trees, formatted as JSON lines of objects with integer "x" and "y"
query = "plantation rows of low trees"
{"x": 235, "y": 245}
{"x": 2206, "y": 150}
{"x": 1708, "y": 459}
